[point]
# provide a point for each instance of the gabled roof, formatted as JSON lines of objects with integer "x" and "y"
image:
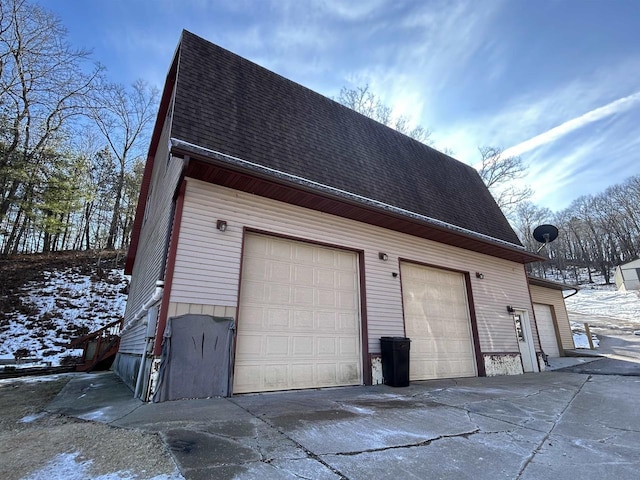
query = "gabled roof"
{"x": 232, "y": 106}
{"x": 262, "y": 132}
{"x": 631, "y": 264}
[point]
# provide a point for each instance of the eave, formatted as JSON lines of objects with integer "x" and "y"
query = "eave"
{"x": 165, "y": 102}
{"x": 203, "y": 165}
{"x": 541, "y": 282}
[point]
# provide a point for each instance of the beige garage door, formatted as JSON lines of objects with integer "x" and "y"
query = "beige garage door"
{"x": 546, "y": 329}
{"x": 299, "y": 317}
{"x": 436, "y": 315}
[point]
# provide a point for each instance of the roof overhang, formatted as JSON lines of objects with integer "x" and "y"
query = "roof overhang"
{"x": 220, "y": 169}
{"x": 163, "y": 109}
{"x": 541, "y": 282}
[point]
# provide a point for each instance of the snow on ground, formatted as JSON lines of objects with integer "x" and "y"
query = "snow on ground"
{"x": 606, "y": 301}
{"x": 70, "y": 466}
{"x": 69, "y": 304}
{"x": 597, "y": 299}
{"x": 580, "y": 338}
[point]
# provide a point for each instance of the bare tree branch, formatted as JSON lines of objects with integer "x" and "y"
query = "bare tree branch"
{"x": 364, "y": 101}
{"x": 499, "y": 173}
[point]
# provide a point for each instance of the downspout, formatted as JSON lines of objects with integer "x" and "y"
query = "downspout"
{"x": 155, "y": 298}
{"x": 575, "y": 290}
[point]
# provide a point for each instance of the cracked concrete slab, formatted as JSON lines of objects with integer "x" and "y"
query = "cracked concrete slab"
{"x": 308, "y": 469}
{"x": 394, "y": 427}
{"x": 576, "y": 458}
{"x": 168, "y": 415}
{"x": 479, "y": 456}
{"x": 550, "y": 425}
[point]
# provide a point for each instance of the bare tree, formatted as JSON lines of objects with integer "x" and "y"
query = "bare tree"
{"x": 364, "y": 101}
{"x": 499, "y": 174}
{"x": 43, "y": 86}
{"x": 123, "y": 117}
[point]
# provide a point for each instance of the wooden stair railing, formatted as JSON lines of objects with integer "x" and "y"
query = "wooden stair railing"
{"x": 98, "y": 346}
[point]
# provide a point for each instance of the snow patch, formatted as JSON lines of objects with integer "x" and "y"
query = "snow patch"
{"x": 67, "y": 305}
{"x": 605, "y": 301}
{"x": 32, "y": 418}
{"x": 67, "y": 466}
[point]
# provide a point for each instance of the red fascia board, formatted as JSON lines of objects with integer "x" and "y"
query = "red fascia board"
{"x": 165, "y": 101}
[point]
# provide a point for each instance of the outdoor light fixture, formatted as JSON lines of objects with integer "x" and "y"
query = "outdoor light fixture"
{"x": 383, "y": 256}
{"x": 479, "y": 275}
{"x": 510, "y": 309}
{"x": 221, "y": 225}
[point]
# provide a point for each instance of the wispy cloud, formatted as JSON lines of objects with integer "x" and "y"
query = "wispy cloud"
{"x": 555, "y": 133}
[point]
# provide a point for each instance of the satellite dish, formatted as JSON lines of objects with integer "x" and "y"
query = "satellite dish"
{"x": 545, "y": 234}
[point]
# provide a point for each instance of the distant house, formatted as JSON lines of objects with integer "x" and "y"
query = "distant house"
{"x": 280, "y": 234}
{"x": 627, "y": 276}
{"x": 551, "y": 315}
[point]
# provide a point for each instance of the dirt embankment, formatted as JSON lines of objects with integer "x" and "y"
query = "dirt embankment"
{"x": 18, "y": 270}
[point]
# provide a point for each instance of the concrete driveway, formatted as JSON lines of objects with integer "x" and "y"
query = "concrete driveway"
{"x": 557, "y": 425}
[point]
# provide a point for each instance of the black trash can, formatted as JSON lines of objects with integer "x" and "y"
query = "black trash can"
{"x": 395, "y": 360}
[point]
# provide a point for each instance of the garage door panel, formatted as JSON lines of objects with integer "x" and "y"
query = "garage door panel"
{"x": 303, "y": 254}
{"x": 326, "y": 347}
{"x": 303, "y": 274}
{"x": 348, "y": 323}
{"x": 277, "y": 319}
{"x": 299, "y": 326}
{"x": 302, "y": 346}
{"x": 325, "y": 278}
{"x": 302, "y": 296}
{"x": 251, "y": 347}
{"x": 276, "y": 376}
{"x": 437, "y": 321}
{"x": 254, "y": 291}
{"x": 325, "y": 298}
{"x": 279, "y": 249}
{"x": 279, "y": 273}
{"x": 303, "y": 319}
{"x": 546, "y": 329}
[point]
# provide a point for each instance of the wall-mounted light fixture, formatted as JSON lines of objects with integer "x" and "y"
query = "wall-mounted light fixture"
{"x": 479, "y": 275}
{"x": 221, "y": 225}
{"x": 394, "y": 274}
{"x": 510, "y": 309}
{"x": 383, "y": 256}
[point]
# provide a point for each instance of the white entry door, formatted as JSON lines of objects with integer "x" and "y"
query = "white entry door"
{"x": 546, "y": 329}
{"x": 299, "y": 317}
{"x": 436, "y": 316}
{"x": 525, "y": 341}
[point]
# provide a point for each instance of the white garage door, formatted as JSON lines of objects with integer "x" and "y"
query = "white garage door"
{"x": 546, "y": 329}
{"x": 436, "y": 315}
{"x": 299, "y": 317}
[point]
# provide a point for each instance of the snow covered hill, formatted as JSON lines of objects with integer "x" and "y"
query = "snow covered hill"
{"x": 602, "y": 306}
{"x": 49, "y": 300}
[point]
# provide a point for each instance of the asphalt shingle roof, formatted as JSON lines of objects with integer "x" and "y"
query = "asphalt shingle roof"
{"x": 228, "y": 104}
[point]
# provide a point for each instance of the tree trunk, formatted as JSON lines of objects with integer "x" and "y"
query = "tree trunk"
{"x": 115, "y": 217}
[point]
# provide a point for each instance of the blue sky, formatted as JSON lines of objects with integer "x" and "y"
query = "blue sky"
{"x": 556, "y": 82}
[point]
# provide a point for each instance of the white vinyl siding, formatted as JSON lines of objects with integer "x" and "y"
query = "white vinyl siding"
{"x": 549, "y": 296}
{"x": 207, "y": 265}
{"x": 436, "y": 315}
{"x": 299, "y": 317}
{"x": 152, "y": 244}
